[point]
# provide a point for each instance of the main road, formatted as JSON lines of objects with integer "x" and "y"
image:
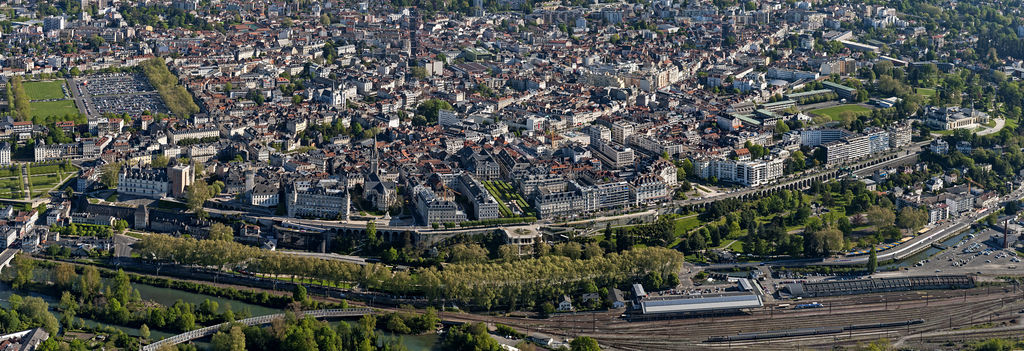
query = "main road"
{"x": 81, "y": 101}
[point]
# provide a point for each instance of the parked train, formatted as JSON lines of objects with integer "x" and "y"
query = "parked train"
{"x": 808, "y": 305}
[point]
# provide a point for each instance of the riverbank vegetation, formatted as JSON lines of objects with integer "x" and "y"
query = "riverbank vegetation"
{"x": 84, "y": 294}
{"x": 307, "y": 334}
{"x": 261, "y": 298}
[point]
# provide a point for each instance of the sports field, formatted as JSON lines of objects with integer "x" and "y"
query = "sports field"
{"x": 53, "y": 108}
{"x": 834, "y": 111}
{"x": 41, "y": 90}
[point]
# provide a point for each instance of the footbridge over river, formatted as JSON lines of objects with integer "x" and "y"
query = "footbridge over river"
{"x": 266, "y": 319}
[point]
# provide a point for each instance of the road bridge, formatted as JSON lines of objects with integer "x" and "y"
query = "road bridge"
{"x": 6, "y": 257}
{"x": 266, "y": 319}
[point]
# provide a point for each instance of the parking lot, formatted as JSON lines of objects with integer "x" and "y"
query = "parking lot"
{"x": 117, "y": 93}
{"x": 980, "y": 253}
{"x": 115, "y": 84}
{"x": 131, "y": 104}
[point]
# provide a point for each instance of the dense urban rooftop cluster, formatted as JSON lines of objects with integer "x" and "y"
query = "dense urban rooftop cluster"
{"x": 479, "y": 148}
{"x": 540, "y": 110}
{"x": 507, "y": 96}
{"x": 551, "y": 111}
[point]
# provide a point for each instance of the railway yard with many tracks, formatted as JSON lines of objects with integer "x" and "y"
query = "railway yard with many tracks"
{"x": 950, "y": 317}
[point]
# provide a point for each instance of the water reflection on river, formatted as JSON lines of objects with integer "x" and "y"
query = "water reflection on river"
{"x": 167, "y": 297}
{"x": 913, "y": 259}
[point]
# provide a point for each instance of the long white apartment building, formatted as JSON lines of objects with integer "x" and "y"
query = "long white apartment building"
{"x": 749, "y": 173}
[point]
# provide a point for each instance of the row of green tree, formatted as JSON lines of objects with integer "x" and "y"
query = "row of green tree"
{"x": 175, "y": 96}
{"x": 481, "y": 285}
{"x": 18, "y": 99}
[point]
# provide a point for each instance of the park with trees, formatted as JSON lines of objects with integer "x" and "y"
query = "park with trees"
{"x": 86, "y": 292}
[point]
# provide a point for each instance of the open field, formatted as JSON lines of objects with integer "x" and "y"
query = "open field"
{"x": 10, "y": 171}
{"x": 926, "y": 92}
{"x": 48, "y": 167}
{"x": 685, "y": 224}
{"x": 53, "y": 108}
{"x": 47, "y": 181}
{"x": 44, "y": 90}
{"x": 833, "y": 112}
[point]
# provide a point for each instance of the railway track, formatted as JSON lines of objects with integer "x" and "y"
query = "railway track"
{"x": 939, "y": 309}
{"x": 975, "y": 309}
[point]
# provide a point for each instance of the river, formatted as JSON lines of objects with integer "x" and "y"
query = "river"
{"x": 425, "y": 342}
{"x": 920, "y": 256}
{"x": 167, "y": 297}
{"x": 6, "y": 292}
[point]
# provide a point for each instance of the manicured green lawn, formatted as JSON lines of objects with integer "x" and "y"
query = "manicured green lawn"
{"x": 54, "y": 108}
{"x": 11, "y": 188}
{"x": 43, "y": 181}
{"x": 834, "y": 111}
{"x": 505, "y": 193}
{"x": 11, "y": 193}
{"x": 926, "y": 92}
{"x": 11, "y": 171}
{"x": 44, "y": 90}
{"x": 171, "y": 205}
{"x": 39, "y": 192}
{"x": 48, "y": 167}
{"x": 11, "y": 183}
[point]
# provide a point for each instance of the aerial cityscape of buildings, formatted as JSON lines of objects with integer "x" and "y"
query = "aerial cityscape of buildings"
{"x": 656, "y": 159}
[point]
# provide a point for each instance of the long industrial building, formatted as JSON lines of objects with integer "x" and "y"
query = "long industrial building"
{"x": 700, "y": 304}
{"x": 877, "y": 285}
